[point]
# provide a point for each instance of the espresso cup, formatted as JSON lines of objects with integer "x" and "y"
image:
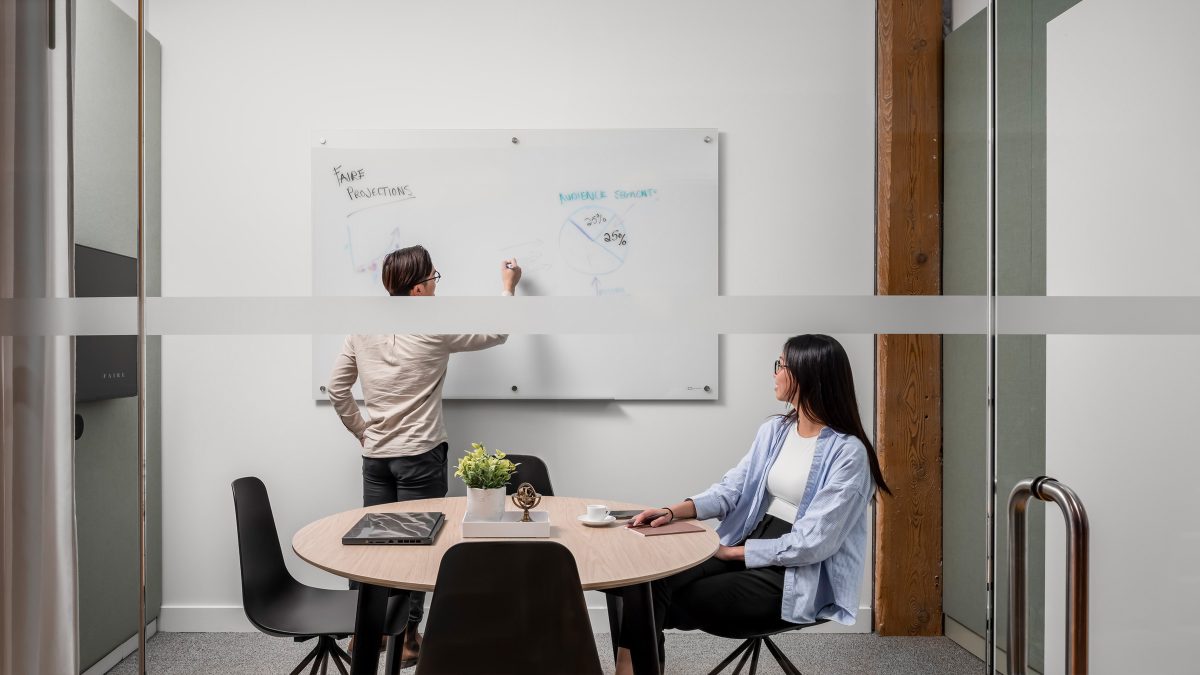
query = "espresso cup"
{"x": 597, "y": 512}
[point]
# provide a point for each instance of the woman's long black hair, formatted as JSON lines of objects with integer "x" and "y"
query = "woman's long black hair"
{"x": 820, "y": 370}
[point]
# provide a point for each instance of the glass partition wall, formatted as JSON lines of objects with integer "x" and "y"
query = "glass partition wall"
{"x": 238, "y": 311}
{"x": 105, "y": 173}
{"x": 1070, "y": 232}
{"x": 240, "y": 132}
{"x": 1096, "y": 319}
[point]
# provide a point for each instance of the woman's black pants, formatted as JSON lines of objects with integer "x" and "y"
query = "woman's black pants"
{"x": 722, "y": 596}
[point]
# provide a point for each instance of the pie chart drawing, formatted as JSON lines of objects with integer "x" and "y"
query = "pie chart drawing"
{"x": 593, "y": 240}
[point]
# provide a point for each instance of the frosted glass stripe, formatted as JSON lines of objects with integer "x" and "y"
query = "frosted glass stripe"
{"x": 68, "y": 316}
{"x": 558, "y": 315}
{"x": 547, "y": 315}
{"x": 948, "y": 315}
{"x": 1100, "y": 315}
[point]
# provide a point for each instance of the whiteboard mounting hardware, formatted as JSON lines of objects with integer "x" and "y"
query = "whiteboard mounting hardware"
{"x": 514, "y": 387}
{"x": 708, "y": 139}
{"x": 705, "y": 388}
{"x": 321, "y": 140}
{"x": 515, "y": 140}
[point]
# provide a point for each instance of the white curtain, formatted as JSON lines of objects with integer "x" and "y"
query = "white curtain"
{"x": 38, "y": 595}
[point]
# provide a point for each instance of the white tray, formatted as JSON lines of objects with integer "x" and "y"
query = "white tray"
{"x": 509, "y": 525}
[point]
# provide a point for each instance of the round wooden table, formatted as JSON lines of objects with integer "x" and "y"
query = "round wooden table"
{"x": 607, "y": 557}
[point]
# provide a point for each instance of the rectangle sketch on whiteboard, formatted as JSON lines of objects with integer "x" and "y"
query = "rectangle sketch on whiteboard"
{"x": 585, "y": 213}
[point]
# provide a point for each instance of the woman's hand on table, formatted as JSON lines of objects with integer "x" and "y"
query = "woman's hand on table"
{"x": 735, "y": 553}
{"x": 650, "y": 518}
{"x": 663, "y": 515}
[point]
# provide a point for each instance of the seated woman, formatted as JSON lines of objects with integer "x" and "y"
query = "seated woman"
{"x": 793, "y": 512}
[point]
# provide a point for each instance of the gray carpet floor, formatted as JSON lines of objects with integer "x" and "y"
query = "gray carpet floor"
{"x": 687, "y": 653}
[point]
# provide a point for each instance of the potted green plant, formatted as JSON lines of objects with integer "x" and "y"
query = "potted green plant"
{"x": 485, "y": 476}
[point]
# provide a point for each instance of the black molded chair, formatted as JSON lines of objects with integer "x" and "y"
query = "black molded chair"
{"x": 532, "y": 470}
{"x": 753, "y": 642}
{"x": 508, "y": 607}
{"x": 274, "y": 601}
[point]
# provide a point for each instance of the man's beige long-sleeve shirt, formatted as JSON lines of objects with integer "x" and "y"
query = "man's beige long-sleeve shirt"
{"x": 402, "y": 378}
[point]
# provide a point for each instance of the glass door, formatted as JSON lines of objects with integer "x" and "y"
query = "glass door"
{"x": 1096, "y": 319}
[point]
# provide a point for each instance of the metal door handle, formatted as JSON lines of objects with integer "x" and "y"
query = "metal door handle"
{"x": 1050, "y": 490}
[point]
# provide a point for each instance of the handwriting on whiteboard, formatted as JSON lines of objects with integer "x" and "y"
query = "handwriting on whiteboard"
{"x": 349, "y": 180}
{"x": 598, "y": 195}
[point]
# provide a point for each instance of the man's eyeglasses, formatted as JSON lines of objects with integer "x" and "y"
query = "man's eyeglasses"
{"x": 437, "y": 276}
{"x": 778, "y": 366}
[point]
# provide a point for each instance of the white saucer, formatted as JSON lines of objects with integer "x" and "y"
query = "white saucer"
{"x": 595, "y": 523}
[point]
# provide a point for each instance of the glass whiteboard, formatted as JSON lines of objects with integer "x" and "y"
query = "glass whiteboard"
{"x": 585, "y": 213}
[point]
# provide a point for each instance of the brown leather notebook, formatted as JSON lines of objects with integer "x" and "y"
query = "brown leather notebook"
{"x": 681, "y": 527}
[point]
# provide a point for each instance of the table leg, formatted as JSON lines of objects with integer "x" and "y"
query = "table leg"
{"x": 614, "y": 602}
{"x": 642, "y": 638}
{"x": 391, "y": 661}
{"x": 368, "y": 629}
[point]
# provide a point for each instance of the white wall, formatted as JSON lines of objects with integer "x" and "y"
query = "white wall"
{"x": 1120, "y": 430}
{"x": 789, "y": 84}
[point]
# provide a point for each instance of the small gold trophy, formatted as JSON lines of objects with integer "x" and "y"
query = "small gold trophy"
{"x": 526, "y": 498}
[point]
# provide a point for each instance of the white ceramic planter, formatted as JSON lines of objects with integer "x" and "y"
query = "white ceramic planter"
{"x": 485, "y": 504}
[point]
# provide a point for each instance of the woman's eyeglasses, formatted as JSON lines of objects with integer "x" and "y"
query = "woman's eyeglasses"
{"x": 778, "y": 366}
{"x": 437, "y": 276}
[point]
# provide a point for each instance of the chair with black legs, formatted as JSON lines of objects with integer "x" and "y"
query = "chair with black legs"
{"x": 752, "y": 644}
{"x": 749, "y": 649}
{"x": 279, "y": 605}
{"x": 532, "y": 470}
{"x": 508, "y": 608}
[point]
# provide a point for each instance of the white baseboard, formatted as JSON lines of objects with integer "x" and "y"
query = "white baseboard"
{"x": 231, "y": 619}
{"x": 974, "y": 643}
{"x": 967, "y": 639}
{"x": 204, "y": 619}
{"x": 124, "y": 649}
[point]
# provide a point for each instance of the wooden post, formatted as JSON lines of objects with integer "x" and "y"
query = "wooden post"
{"x": 908, "y": 540}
